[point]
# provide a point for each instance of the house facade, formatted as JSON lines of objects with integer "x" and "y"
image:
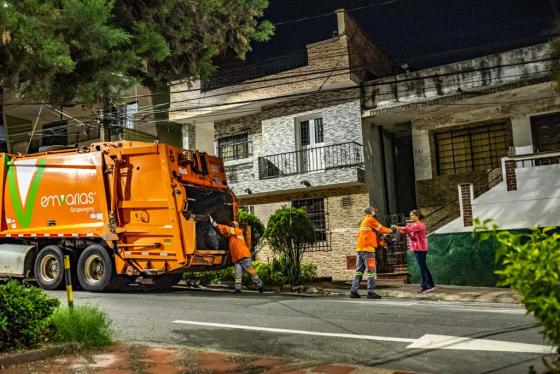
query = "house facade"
{"x": 486, "y": 143}
{"x": 294, "y": 137}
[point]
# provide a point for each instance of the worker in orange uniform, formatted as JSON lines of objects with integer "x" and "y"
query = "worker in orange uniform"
{"x": 240, "y": 253}
{"x": 365, "y": 252}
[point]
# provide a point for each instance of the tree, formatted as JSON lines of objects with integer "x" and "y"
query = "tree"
{"x": 257, "y": 229}
{"x": 89, "y": 51}
{"x": 290, "y": 232}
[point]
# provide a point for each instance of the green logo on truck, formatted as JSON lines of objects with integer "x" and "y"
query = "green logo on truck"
{"x": 23, "y": 184}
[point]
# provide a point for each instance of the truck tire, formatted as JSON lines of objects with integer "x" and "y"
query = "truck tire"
{"x": 49, "y": 268}
{"x": 95, "y": 269}
{"x": 166, "y": 281}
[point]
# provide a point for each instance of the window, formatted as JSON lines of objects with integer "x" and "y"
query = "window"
{"x": 316, "y": 210}
{"x": 475, "y": 148}
{"x": 311, "y": 132}
{"x": 234, "y": 147}
{"x": 130, "y": 110}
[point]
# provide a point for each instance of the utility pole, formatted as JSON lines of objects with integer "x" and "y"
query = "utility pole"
{"x": 104, "y": 122}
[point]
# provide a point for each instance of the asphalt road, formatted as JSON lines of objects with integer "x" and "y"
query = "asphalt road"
{"x": 371, "y": 333}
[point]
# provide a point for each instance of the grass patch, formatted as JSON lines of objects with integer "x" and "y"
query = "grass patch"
{"x": 85, "y": 325}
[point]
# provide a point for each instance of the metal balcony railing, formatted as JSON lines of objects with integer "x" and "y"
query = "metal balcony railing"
{"x": 311, "y": 160}
{"x": 536, "y": 159}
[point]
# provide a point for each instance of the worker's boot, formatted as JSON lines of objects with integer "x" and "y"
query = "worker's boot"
{"x": 237, "y": 290}
{"x": 373, "y": 295}
{"x": 354, "y": 295}
{"x": 261, "y": 289}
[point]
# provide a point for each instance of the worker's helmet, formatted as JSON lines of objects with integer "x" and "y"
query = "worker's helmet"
{"x": 370, "y": 210}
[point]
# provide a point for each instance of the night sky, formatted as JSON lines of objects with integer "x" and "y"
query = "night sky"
{"x": 420, "y": 33}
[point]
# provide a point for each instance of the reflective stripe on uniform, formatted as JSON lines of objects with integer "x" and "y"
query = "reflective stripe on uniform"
{"x": 241, "y": 237}
{"x": 365, "y": 228}
{"x": 238, "y": 281}
{"x": 231, "y": 231}
{"x": 359, "y": 273}
{"x": 379, "y": 226}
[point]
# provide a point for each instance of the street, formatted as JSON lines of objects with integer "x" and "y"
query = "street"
{"x": 390, "y": 333}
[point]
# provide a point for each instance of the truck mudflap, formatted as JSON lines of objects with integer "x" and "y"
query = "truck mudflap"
{"x": 15, "y": 259}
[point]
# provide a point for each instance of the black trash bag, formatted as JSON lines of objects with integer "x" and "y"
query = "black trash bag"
{"x": 212, "y": 238}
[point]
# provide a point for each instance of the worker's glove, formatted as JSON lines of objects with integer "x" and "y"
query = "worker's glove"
{"x": 394, "y": 229}
{"x": 212, "y": 221}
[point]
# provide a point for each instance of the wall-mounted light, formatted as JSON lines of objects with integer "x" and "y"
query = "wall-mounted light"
{"x": 248, "y": 191}
{"x": 306, "y": 183}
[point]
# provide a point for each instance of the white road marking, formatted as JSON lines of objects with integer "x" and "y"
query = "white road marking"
{"x": 428, "y": 341}
{"x": 298, "y": 332}
{"x": 442, "y": 306}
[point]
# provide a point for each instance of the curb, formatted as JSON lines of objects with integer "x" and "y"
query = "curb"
{"x": 23, "y": 357}
{"x": 466, "y": 297}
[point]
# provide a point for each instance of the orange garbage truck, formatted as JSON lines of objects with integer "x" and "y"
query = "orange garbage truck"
{"x": 123, "y": 211}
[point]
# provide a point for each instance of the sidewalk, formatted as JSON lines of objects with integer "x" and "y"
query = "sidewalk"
{"x": 134, "y": 358}
{"x": 446, "y": 293}
{"x": 397, "y": 290}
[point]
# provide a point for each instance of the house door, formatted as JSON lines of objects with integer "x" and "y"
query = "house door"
{"x": 546, "y": 133}
{"x": 312, "y": 152}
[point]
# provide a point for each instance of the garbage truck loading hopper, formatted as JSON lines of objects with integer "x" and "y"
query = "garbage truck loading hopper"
{"x": 121, "y": 210}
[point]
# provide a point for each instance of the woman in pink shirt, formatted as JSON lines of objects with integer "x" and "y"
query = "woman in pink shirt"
{"x": 418, "y": 240}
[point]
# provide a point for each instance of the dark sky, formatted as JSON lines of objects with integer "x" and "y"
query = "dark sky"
{"x": 421, "y": 33}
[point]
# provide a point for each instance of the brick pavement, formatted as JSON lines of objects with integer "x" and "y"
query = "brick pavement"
{"x": 134, "y": 358}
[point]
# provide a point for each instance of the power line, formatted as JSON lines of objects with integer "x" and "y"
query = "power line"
{"x": 371, "y": 84}
{"x": 321, "y": 71}
{"x": 305, "y": 95}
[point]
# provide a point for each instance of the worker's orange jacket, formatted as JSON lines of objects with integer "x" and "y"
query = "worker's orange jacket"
{"x": 367, "y": 234}
{"x": 237, "y": 247}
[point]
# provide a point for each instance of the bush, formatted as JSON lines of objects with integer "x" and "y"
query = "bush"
{"x": 531, "y": 265}
{"x": 85, "y": 325}
{"x": 308, "y": 272}
{"x": 23, "y": 313}
{"x": 272, "y": 274}
{"x": 289, "y": 232}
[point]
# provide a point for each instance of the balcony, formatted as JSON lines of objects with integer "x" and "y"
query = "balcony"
{"x": 311, "y": 160}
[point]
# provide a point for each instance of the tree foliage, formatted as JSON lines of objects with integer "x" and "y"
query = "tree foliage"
{"x": 290, "y": 232}
{"x": 530, "y": 264}
{"x": 67, "y": 50}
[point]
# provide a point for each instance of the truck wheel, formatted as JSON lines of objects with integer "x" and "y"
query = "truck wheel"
{"x": 49, "y": 268}
{"x": 95, "y": 268}
{"x": 166, "y": 281}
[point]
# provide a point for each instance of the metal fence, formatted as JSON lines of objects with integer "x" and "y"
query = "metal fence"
{"x": 310, "y": 160}
{"x": 536, "y": 159}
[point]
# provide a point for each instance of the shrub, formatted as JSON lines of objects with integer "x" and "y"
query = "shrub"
{"x": 85, "y": 325}
{"x": 531, "y": 265}
{"x": 308, "y": 272}
{"x": 23, "y": 313}
{"x": 289, "y": 232}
